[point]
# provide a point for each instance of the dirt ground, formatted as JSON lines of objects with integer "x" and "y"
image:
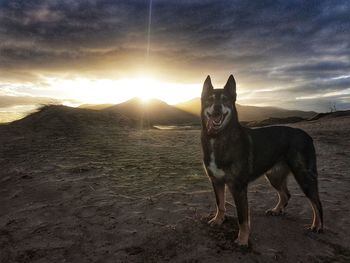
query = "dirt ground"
{"x": 111, "y": 195}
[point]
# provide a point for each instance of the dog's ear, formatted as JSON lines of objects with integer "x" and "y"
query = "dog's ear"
{"x": 230, "y": 87}
{"x": 207, "y": 87}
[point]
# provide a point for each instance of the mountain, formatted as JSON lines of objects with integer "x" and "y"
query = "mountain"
{"x": 250, "y": 113}
{"x": 154, "y": 112}
{"x": 192, "y": 106}
{"x": 95, "y": 106}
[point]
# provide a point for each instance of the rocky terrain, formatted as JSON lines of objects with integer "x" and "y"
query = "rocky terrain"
{"x": 85, "y": 187}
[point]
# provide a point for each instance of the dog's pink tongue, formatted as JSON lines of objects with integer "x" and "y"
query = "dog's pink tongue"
{"x": 212, "y": 121}
{"x": 210, "y": 125}
{"x": 217, "y": 119}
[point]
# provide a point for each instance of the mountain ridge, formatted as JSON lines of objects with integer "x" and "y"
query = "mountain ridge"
{"x": 153, "y": 112}
{"x": 64, "y": 120}
{"x": 251, "y": 113}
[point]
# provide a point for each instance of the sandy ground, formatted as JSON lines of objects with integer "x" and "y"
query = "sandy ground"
{"x": 113, "y": 195}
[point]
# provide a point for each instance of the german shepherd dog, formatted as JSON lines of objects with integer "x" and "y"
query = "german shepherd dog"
{"x": 234, "y": 156}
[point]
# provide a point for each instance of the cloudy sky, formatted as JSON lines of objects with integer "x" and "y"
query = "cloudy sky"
{"x": 291, "y": 54}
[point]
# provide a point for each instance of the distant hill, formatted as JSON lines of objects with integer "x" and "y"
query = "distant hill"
{"x": 154, "y": 112}
{"x": 329, "y": 115}
{"x": 192, "y": 106}
{"x": 250, "y": 113}
{"x": 273, "y": 121}
{"x": 287, "y": 120}
{"x": 59, "y": 120}
{"x": 63, "y": 120}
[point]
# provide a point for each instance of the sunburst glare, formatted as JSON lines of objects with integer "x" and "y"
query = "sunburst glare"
{"x": 115, "y": 91}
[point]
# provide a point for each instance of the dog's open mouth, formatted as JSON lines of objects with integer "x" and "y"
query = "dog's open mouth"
{"x": 215, "y": 122}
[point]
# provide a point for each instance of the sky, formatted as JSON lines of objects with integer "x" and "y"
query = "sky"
{"x": 290, "y": 54}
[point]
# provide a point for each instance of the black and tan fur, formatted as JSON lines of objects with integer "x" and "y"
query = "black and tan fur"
{"x": 234, "y": 156}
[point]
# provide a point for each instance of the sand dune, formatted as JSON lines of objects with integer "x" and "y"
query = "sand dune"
{"x": 56, "y": 120}
{"x": 130, "y": 195}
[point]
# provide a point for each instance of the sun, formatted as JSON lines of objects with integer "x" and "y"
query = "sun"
{"x": 146, "y": 88}
{"x": 146, "y": 100}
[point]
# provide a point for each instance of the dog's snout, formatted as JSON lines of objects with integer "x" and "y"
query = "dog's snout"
{"x": 217, "y": 107}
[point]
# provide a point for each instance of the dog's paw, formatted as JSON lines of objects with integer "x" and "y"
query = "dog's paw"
{"x": 275, "y": 212}
{"x": 242, "y": 243}
{"x": 314, "y": 229}
{"x": 216, "y": 221}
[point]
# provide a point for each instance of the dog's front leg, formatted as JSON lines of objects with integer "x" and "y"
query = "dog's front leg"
{"x": 241, "y": 201}
{"x": 219, "y": 190}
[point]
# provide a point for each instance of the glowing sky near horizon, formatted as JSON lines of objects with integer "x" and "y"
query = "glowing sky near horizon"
{"x": 98, "y": 91}
{"x": 291, "y": 54}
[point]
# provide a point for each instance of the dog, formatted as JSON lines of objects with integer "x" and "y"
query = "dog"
{"x": 234, "y": 155}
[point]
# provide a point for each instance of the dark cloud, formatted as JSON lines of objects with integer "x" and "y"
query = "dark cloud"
{"x": 301, "y": 45}
{"x": 319, "y": 67}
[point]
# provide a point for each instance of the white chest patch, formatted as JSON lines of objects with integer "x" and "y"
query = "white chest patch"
{"x": 218, "y": 173}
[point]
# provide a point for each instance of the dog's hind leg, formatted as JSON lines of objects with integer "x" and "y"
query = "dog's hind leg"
{"x": 307, "y": 181}
{"x": 303, "y": 166}
{"x": 277, "y": 177}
